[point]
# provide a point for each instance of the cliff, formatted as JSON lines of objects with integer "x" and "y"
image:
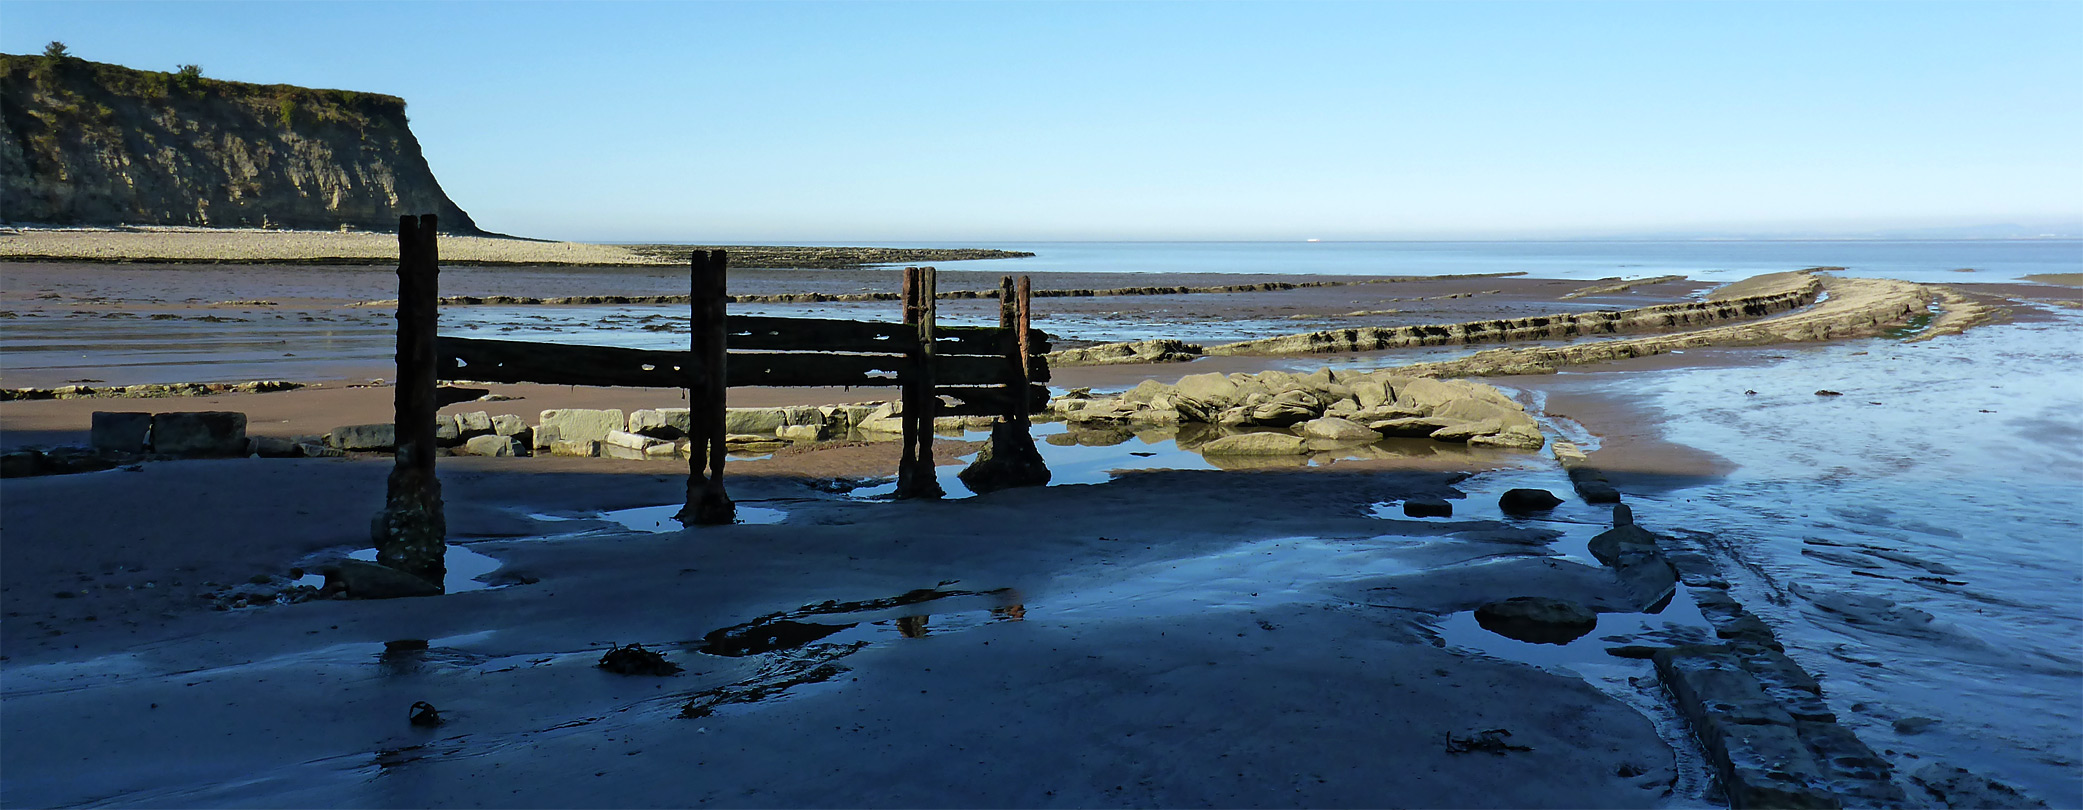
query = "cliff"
{"x": 87, "y": 143}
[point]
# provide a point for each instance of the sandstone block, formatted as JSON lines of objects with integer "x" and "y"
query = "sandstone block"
{"x": 203, "y": 433}
{"x": 584, "y": 448}
{"x": 630, "y": 441}
{"x": 476, "y": 423}
{"x": 662, "y": 423}
{"x": 493, "y": 445}
{"x": 120, "y": 432}
{"x": 507, "y": 424}
{"x": 1337, "y": 429}
{"x": 578, "y": 423}
{"x": 379, "y": 436}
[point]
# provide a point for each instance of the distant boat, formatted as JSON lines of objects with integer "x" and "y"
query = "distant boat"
{"x": 1312, "y": 240}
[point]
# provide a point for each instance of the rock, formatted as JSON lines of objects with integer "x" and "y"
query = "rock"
{"x": 380, "y": 436}
{"x": 21, "y": 464}
{"x": 801, "y": 433}
{"x": 662, "y": 423}
{"x": 1829, "y": 393}
{"x": 507, "y": 424}
{"x": 1427, "y": 506}
{"x": 1287, "y": 408}
{"x": 1138, "y": 351}
{"x": 120, "y": 432}
{"x": 1008, "y": 459}
{"x": 1463, "y": 431}
{"x": 275, "y": 447}
{"x": 1415, "y": 427}
{"x": 1958, "y": 787}
{"x": 446, "y": 434}
{"x": 1369, "y": 393}
{"x": 753, "y": 420}
{"x": 1537, "y": 619}
{"x": 1912, "y": 725}
{"x": 1591, "y": 485}
{"x": 367, "y": 580}
{"x": 477, "y": 423}
{"x": 1256, "y": 444}
{"x": 1335, "y": 428}
{"x": 317, "y": 450}
{"x": 635, "y": 660}
{"x": 204, "y": 433}
{"x": 629, "y": 441}
{"x": 583, "y": 448}
{"x": 1211, "y": 391}
{"x": 1527, "y": 500}
{"x": 887, "y": 418}
{"x": 494, "y": 445}
{"x": 577, "y": 423}
{"x": 1146, "y": 391}
{"x": 1426, "y": 394}
{"x": 1623, "y": 515}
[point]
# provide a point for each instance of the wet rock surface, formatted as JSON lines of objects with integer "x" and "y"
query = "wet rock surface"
{"x": 1537, "y": 619}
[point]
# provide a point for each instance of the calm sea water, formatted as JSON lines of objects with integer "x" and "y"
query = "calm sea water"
{"x": 1923, "y": 261}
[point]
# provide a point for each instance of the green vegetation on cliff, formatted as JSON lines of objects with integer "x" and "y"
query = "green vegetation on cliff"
{"x": 88, "y": 143}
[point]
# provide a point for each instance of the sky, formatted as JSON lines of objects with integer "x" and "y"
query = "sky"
{"x": 983, "y": 121}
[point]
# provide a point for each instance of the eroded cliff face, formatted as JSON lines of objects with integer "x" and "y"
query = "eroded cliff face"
{"x": 86, "y": 143}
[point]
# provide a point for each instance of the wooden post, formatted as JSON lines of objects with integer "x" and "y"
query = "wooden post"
{"x": 907, "y": 391}
{"x": 708, "y": 381}
{"x": 915, "y": 475}
{"x": 1007, "y": 305}
{"x": 411, "y": 532}
{"x": 1023, "y": 346}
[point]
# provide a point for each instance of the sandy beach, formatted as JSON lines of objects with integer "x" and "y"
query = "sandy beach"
{"x": 1158, "y": 637}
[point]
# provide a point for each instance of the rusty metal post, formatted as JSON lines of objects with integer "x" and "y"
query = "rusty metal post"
{"x": 411, "y": 532}
{"x": 709, "y": 380}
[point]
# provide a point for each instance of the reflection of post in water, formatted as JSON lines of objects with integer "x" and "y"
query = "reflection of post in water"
{"x": 1011, "y": 613}
{"x": 912, "y": 626}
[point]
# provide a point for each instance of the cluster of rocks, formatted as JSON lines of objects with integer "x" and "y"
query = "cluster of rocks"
{"x": 661, "y": 433}
{"x": 1279, "y": 414}
{"x": 151, "y": 391}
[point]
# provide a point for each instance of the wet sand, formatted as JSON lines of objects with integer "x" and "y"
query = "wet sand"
{"x": 1165, "y": 638}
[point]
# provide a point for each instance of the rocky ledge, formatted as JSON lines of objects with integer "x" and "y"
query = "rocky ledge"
{"x": 1319, "y": 410}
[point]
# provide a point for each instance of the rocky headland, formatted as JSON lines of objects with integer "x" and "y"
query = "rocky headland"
{"x": 89, "y": 143}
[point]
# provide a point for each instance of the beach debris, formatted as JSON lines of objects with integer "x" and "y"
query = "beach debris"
{"x": 1537, "y": 619}
{"x": 635, "y": 660}
{"x": 1427, "y": 506}
{"x": 1527, "y": 500}
{"x": 424, "y": 715}
{"x": 1488, "y": 741}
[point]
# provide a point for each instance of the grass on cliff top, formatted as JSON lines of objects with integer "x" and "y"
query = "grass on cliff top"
{"x": 62, "y": 76}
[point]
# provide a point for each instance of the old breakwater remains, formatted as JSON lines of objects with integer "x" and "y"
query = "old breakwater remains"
{"x": 1812, "y": 307}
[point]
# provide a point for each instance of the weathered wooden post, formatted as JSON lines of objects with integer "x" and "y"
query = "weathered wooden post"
{"x": 1023, "y": 347}
{"x": 1010, "y": 458}
{"x": 411, "y": 533}
{"x": 707, "y": 381}
{"x": 915, "y": 476}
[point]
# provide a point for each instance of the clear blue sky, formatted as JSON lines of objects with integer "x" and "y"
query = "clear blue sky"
{"x": 1012, "y": 121}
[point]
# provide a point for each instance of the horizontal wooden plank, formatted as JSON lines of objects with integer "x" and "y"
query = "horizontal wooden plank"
{"x": 805, "y": 368}
{"x": 517, "y": 361}
{"x": 986, "y": 400}
{"x": 764, "y": 333}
